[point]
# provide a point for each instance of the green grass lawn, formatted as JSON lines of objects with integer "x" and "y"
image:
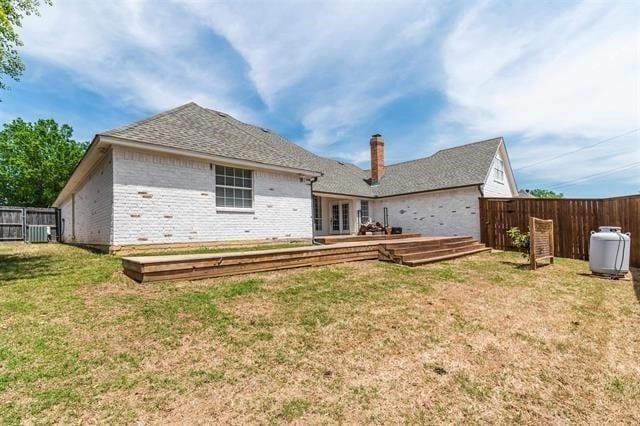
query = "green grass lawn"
{"x": 475, "y": 340}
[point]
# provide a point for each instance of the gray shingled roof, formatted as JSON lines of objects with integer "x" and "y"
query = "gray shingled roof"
{"x": 523, "y": 193}
{"x": 206, "y": 131}
{"x": 464, "y": 165}
{"x": 337, "y": 177}
{"x": 202, "y": 130}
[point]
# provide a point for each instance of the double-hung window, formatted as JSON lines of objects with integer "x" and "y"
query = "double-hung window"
{"x": 234, "y": 188}
{"x": 498, "y": 170}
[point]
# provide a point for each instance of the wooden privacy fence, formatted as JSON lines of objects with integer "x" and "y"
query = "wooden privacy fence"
{"x": 573, "y": 220}
{"x": 14, "y": 222}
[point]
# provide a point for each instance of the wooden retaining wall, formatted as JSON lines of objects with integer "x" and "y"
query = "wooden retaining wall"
{"x": 573, "y": 221}
{"x": 156, "y": 268}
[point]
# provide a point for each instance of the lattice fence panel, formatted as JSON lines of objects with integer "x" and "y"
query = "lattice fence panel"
{"x": 541, "y": 245}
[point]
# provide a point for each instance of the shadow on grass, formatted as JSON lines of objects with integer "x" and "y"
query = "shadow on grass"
{"x": 16, "y": 267}
{"x": 518, "y": 265}
{"x": 635, "y": 278}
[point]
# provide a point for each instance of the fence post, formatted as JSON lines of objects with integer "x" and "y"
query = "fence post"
{"x": 58, "y": 225}
{"x": 532, "y": 243}
{"x": 24, "y": 224}
{"x": 482, "y": 217}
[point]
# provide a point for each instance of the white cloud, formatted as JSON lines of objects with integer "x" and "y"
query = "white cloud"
{"x": 339, "y": 62}
{"x": 556, "y": 78}
{"x": 572, "y": 71}
{"x": 551, "y": 77}
{"x": 133, "y": 52}
{"x": 285, "y": 44}
{"x": 332, "y": 64}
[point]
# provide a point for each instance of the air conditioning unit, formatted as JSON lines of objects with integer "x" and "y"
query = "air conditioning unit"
{"x": 37, "y": 233}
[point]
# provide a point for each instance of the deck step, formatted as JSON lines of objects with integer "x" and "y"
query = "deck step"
{"x": 456, "y": 244}
{"x": 454, "y": 255}
{"x": 425, "y": 254}
{"x": 405, "y": 249}
{"x": 410, "y": 251}
{"x": 399, "y": 248}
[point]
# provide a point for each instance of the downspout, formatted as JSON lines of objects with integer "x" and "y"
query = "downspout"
{"x": 313, "y": 219}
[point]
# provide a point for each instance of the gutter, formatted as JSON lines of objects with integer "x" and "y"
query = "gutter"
{"x": 131, "y": 143}
{"x": 403, "y": 194}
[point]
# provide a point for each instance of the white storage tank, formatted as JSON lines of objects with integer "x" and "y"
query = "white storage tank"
{"x": 609, "y": 251}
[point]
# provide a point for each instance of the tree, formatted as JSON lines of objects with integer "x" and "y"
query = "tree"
{"x": 36, "y": 159}
{"x": 545, "y": 193}
{"x": 11, "y": 14}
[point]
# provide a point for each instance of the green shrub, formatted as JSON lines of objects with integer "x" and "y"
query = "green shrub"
{"x": 519, "y": 239}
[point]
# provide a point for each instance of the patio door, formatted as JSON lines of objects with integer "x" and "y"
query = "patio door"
{"x": 340, "y": 214}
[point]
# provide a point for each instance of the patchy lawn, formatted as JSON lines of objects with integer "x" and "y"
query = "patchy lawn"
{"x": 473, "y": 340}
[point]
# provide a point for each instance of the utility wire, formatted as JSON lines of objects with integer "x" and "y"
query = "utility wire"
{"x": 577, "y": 150}
{"x": 599, "y": 174}
{"x": 589, "y": 177}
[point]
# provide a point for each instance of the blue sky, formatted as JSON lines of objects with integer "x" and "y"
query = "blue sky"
{"x": 553, "y": 78}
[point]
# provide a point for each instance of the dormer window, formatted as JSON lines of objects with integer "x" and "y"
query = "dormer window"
{"x": 498, "y": 170}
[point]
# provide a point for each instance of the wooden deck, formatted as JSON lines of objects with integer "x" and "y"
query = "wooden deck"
{"x": 334, "y": 239}
{"x": 410, "y": 251}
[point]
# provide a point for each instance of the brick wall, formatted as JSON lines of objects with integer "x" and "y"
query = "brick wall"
{"x": 443, "y": 213}
{"x": 160, "y": 200}
{"x": 377, "y": 157}
{"x": 92, "y": 207}
{"x": 65, "y": 216}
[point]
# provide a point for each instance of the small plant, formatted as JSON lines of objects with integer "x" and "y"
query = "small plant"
{"x": 519, "y": 239}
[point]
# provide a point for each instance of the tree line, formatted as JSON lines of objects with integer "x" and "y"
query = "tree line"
{"x": 36, "y": 160}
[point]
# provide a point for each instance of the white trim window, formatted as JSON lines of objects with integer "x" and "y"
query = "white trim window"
{"x": 498, "y": 170}
{"x": 364, "y": 211}
{"x": 234, "y": 188}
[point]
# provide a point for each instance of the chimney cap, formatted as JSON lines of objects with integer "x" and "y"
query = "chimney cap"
{"x": 377, "y": 135}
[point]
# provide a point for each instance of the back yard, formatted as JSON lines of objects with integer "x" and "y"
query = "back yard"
{"x": 478, "y": 339}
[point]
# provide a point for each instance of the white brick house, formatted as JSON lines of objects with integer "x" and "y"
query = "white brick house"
{"x": 194, "y": 176}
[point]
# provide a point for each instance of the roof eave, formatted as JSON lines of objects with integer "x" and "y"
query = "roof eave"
{"x": 341, "y": 194}
{"x": 470, "y": 185}
{"x": 131, "y": 143}
{"x": 400, "y": 194}
{"x": 84, "y": 165}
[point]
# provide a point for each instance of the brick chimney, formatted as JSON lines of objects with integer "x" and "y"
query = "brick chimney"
{"x": 377, "y": 158}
